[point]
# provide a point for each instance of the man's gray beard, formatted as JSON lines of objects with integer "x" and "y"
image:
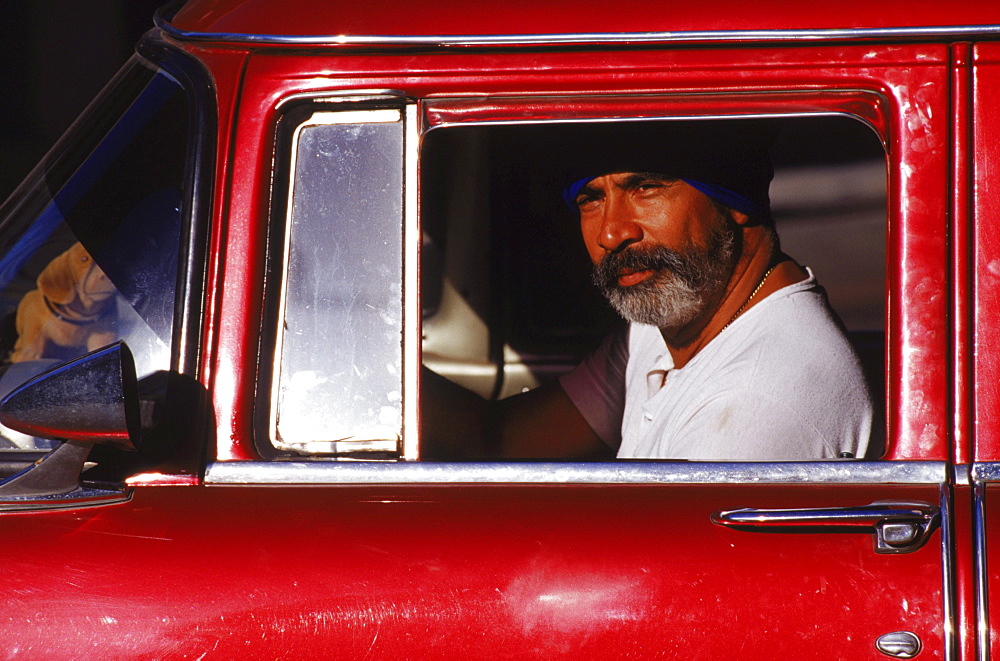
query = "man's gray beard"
{"x": 680, "y": 289}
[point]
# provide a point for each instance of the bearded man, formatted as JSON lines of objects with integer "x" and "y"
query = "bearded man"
{"x": 732, "y": 352}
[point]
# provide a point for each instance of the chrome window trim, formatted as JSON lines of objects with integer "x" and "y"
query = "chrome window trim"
{"x": 597, "y": 38}
{"x": 395, "y": 98}
{"x": 412, "y": 313}
{"x": 986, "y": 472}
{"x": 619, "y": 472}
{"x": 359, "y": 106}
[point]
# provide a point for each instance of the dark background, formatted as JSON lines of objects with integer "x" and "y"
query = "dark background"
{"x": 55, "y": 56}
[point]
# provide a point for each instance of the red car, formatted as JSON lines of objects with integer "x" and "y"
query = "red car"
{"x": 277, "y": 212}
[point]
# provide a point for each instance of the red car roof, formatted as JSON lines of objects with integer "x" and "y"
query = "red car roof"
{"x": 455, "y": 21}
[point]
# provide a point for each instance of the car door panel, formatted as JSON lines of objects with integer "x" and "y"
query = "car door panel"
{"x": 477, "y": 571}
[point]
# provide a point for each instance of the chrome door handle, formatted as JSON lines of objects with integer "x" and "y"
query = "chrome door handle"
{"x": 900, "y": 527}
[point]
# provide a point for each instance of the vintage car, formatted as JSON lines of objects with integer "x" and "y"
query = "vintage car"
{"x": 218, "y": 291}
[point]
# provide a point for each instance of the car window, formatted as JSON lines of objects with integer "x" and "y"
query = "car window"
{"x": 828, "y": 198}
{"x": 89, "y": 253}
{"x": 508, "y": 299}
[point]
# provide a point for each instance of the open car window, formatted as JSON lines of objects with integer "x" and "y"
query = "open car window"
{"x": 91, "y": 239}
{"x": 507, "y": 294}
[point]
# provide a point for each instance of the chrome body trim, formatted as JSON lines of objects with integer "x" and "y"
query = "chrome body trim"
{"x": 949, "y": 594}
{"x": 899, "y": 644}
{"x": 595, "y": 38}
{"x": 79, "y": 498}
{"x": 980, "y": 569}
{"x": 365, "y": 96}
{"x": 986, "y": 472}
{"x": 620, "y": 472}
{"x": 897, "y": 526}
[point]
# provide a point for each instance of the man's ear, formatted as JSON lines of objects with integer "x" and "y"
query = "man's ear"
{"x": 739, "y": 217}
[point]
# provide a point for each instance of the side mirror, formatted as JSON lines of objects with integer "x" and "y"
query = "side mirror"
{"x": 92, "y": 399}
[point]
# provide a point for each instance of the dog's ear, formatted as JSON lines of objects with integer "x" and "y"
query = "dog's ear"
{"x": 56, "y": 280}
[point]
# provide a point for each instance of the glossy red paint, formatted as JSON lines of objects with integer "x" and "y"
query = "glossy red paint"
{"x": 456, "y": 572}
{"x": 227, "y": 69}
{"x": 961, "y": 113}
{"x": 963, "y": 451}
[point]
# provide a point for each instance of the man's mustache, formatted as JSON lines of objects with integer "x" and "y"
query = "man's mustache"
{"x": 657, "y": 258}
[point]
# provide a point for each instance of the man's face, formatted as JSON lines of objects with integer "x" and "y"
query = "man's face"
{"x": 662, "y": 250}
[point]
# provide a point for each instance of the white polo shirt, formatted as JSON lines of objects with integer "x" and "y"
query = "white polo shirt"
{"x": 780, "y": 383}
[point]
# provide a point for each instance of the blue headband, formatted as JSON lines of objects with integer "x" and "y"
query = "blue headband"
{"x": 724, "y": 196}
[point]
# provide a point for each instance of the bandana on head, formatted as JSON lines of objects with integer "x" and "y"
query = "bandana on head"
{"x": 726, "y": 197}
{"x": 727, "y": 160}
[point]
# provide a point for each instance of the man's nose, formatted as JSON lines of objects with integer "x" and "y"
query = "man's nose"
{"x": 619, "y": 226}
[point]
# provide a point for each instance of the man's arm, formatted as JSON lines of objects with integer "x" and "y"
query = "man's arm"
{"x": 540, "y": 424}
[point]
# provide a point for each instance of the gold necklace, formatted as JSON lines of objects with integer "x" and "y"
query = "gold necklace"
{"x": 750, "y": 298}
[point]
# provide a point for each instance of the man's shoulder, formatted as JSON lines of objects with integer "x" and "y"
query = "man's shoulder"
{"x": 799, "y": 311}
{"x": 793, "y": 336}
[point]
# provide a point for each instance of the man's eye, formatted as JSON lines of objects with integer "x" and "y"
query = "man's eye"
{"x": 585, "y": 200}
{"x": 649, "y": 185}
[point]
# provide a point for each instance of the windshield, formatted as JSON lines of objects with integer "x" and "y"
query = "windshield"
{"x": 89, "y": 244}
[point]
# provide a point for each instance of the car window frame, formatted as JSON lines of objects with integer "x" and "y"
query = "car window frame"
{"x": 869, "y": 106}
{"x": 196, "y": 210}
{"x": 292, "y": 115}
{"x": 890, "y": 116}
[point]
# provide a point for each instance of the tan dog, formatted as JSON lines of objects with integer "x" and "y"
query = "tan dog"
{"x": 72, "y": 307}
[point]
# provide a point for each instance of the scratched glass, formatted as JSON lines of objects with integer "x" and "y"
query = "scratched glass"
{"x": 339, "y": 380}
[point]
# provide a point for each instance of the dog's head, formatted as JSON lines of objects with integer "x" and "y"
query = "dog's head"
{"x": 75, "y": 274}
